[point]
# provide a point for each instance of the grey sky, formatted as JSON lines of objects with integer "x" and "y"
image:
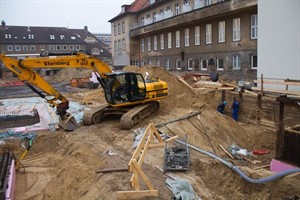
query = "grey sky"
{"x": 62, "y": 13}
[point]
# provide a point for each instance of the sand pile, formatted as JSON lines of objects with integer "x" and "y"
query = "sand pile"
{"x": 69, "y": 73}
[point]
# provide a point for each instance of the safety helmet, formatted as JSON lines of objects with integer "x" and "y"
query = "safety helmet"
{"x": 224, "y": 102}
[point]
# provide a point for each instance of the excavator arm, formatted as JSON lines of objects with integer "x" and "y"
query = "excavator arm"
{"x": 24, "y": 69}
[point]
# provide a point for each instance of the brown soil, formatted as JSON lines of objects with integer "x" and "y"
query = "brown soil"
{"x": 62, "y": 165}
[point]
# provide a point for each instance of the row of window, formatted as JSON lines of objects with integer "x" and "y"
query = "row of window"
{"x": 119, "y": 29}
{"x": 8, "y": 36}
{"x": 202, "y": 63}
{"x": 50, "y": 47}
{"x": 119, "y": 46}
{"x": 236, "y": 35}
{"x": 167, "y": 12}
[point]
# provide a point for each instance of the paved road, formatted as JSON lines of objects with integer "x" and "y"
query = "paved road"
{"x": 24, "y": 91}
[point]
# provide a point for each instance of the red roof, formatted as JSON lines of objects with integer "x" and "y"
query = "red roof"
{"x": 138, "y": 5}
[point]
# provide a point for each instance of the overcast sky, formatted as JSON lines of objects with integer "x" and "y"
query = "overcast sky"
{"x": 62, "y": 13}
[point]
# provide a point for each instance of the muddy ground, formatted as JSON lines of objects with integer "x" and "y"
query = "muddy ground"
{"x": 62, "y": 165}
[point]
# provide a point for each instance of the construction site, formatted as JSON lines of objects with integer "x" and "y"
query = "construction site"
{"x": 186, "y": 149}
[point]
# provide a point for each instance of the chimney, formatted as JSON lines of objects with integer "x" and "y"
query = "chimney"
{"x": 85, "y": 28}
{"x": 3, "y": 23}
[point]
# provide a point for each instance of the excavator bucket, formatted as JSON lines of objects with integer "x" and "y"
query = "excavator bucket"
{"x": 68, "y": 123}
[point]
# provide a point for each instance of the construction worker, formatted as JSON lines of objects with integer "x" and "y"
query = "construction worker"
{"x": 221, "y": 107}
{"x": 235, "y": 109}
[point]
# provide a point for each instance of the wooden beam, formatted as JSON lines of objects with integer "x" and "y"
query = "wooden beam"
{"x": 278, "y": 91}
{"x": 226, "y": 152}
{"x": 136, "y": 194}
{"x": 278, "y": 82}
{"x": 112, "y": 170}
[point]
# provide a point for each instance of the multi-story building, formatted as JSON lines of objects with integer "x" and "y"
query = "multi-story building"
{"x": 25, "y": 41}
{"x": 189, "y": 36}
{"x": 105, "y": 38}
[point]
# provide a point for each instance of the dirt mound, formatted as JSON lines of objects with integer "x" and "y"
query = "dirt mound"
{"x": 180, "y": 95}
{"x": 69, "y": 73}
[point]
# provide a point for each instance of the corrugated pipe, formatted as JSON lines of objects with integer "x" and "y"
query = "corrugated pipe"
{"x": 239, "y": 172}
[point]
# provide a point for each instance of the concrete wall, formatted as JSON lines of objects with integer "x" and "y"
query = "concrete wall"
{"x": 279, "y": 39}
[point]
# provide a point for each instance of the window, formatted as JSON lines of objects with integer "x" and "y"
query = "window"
{"x": 177, "y": 39}
{"x": 149, "y": 43}
{"x": 253, "y": 61}
{"x": 168, "y": 8}
{"x": 73, "y": 38}
{"x": 187, "y": 37}
{"x": 169, "y": 40}
{"x": 58, "y": 47}
{"x": 25, "y": 48}
{"x": 149, "y": 61}
{"x": 52, "y": 37}
{"x": 143, "y": 45}
{"x": 65, "y": 47}
{"x": 177, "y": 12}
{"x": 161, "y": 12}
{"x": 123, "y": 27}
{"x": 142, "y": 63}
{"x": 220, "y": 64}
{"x": 178, "y": 65}
{"x": 162, "y": 41}
{"x": 208, "y": 34}
{"x": 254, "y": 26}
{"x": 116, "y": 46}
{"x": 62, "y": 37}
{"x": 236, "y": 36}
{"x": 167, "y": 64}
{"x": 158, "y": 62}
{"x": 155, "y": 43}
{"x": 71, "y": 47}
{"x": 77, "y": 47}
{"x": 119, "y": 28}
{"x": 203, "y": 64}
{"x": 17, "y": 48}
{"x": 7, "y": 36}
{"x": 197, "y": 35}
{"x": 190, "y": 63}
{"x": 186, "y": 2}
{"x": 32, "y": 48}
{"x": 236, "y": 62}
{"x": 30, "y": 37}
{"x": 221, "y": 31}
{"x": 154, "y": 17}
{"x": 142, "y": 21}
{"x": 115, "y": 30}
{"x": 51, "y": 48}
{"x": 119, "y": 46}
{"x": 123, "y": 44}
{"x": 207, "y": 2}
{"x": 10, "y": 48}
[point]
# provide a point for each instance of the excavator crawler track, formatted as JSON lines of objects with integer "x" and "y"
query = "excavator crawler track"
{"x": 137, "y": 114}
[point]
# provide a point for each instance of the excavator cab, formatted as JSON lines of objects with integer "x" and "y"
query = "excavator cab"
{"x": 122, "y": 87}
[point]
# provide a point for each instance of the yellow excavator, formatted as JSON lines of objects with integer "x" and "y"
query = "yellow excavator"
{"x": 127, "y": 93}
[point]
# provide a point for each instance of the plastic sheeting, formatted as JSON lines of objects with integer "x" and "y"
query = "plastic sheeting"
{"x": 181, "y": 189}
{"x": 48, "y": 117}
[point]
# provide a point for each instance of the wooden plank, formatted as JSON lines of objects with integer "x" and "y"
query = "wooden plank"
{"x": 143, "y": 175}
{"x": 172, "y": 138}
{"x": 260, "y": 167}
{"x": 249, "y": 92}
{"x": 226, "y": 152}
{"x": 136, "y": 194}
{"x": 277, "y": 91}
{"x": 184, "y": 82}
{"x": 112, "y": 170}
{"x": 278, "y": 82}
